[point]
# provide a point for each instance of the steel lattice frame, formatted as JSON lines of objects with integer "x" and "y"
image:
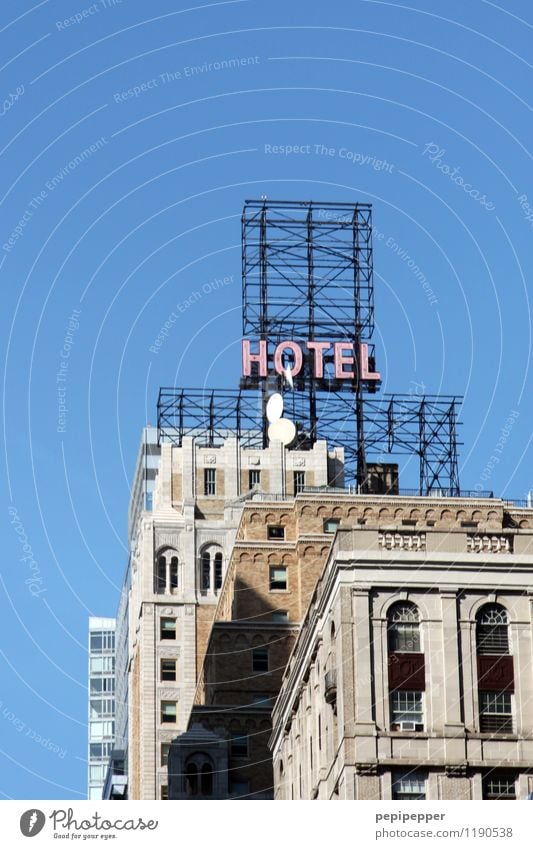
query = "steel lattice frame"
{"x": 402, "y": 424}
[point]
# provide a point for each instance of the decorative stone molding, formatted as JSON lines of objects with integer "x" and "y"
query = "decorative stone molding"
{"x": 210, "y": 459}
{"x": 489, "y": 543}
{"x": 401, "y": 541}
{"x": 366, "y": 769}
{"x": 299, "y": 461}
{"x": 456, "y": 770}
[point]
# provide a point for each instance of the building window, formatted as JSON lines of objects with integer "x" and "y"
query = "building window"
{"x": 406, "y": 710}
{"x": 168, "y": 712}
{"x": 492, "y": 632}
{"x": 495, "y": 713}
{"x": 173, "y": 574}
{"x": 254, "y": 478}
{"x": 206, "y": 570}
{"x": 409, "y": 784}
{"x": 260, "y": 659}
{"x": 404, "y": 628}
{"x": 164, "y": 791}
{"x": 499, "y": 785}
{"x": 260, "y": 699}
{"x": 168, "y": 670}
{"x": 218, "y": 570}
{"x": 165, "y": 748}
{"x": 275, "y": 532}
{"x": 331, "y": 525}
{"x": 198, "y": 776}
{"x": 278, "y": 577}
{"x": 168, "y": 628}
{"x": 280, "y": 616}
{"x": 299, "y": 482}
{"x": 161, "y": 574}
{"x": 239, "y": 745}
{"x": 210, "y": 481}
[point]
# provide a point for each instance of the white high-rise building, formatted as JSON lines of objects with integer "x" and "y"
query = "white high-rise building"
{"x": 101, "y": 720}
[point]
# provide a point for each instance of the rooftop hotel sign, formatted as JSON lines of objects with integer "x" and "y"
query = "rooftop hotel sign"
{"x": 347, "y": 362}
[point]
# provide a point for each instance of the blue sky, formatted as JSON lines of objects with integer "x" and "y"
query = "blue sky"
{"x": 129, "y": 143}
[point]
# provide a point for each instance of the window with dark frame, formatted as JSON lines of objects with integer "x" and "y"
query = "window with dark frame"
{"x": 499, "y": 785}
{"x": 278, "y": 577}
{"x": 254, "y": 478}
{"x": 409, "y": 784}
{"x": 210, "y": 481}
{"x": 404, "y": 628}
{"x": 260, "y": 659}
{"x": 168, "y": 670}
{"x": 218, "y": 570}
{"x": 168, "y": 712}
{"x": 299, "y": 482}
{"x": 165, "y": 748}
{"x": 331, "y": 525}
{"x": 275, "y": 532}
{"x": 280, "y": 616}
{"x": 492, "y": 631}
{"x": 407, "y": 707}
{"x": 168, "y": 628}
{"x": 239, "y": 745}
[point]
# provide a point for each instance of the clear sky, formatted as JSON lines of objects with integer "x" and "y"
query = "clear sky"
{"x": 129, "y": 141}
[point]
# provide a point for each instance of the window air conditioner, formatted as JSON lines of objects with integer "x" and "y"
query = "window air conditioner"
{"x": 408, "y": 725}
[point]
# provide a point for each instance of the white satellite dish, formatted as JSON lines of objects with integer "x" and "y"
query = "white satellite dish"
{"x": 274, "y": 407}
{"x": 282, "y": 429}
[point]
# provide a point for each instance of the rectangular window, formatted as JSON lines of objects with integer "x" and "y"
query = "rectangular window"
{"x": 164, "y": 791}
{"x": 331, "y": 525}
{"x": 168, "y": 628}
{"x": 168, "y": 670}
{"x": 260, "y": 699}
{"x": 299, "y": 482}
{"x": 404, "y": 637}
{"x": 218, "y": 571}
{"x": 495, "y": 713}
{"x": 168, "y": 711}
{"x": 275, "y": 532}
{"x": 278, "y": 577}
{"x": 499, "y": 785}
{"x": 254, "y": 478}
{"x": 165, "y": 748}
{"x": 239, "y": 745}
{"x": 104, "y": 663}
{"x": 280, "y": 616}
{"x": 97, "y": 772}
{"x": 260, "y": 659}
{"x": 409, "y": 784}
{"x": 210, "y": 481}
{"x": 406, "y": 710}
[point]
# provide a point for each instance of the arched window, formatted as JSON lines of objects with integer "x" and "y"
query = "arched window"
{"x": 206, "y": 571}
{"x": 211, "y": 568}
{"x": 166, "y": 572}
{"x": 161, "y": 580}
{"x": 173, "y": 574}
{"x": 492, "y": 631}
{"x": 403, "y": 627}
{"x": 199, "y": 775}
{"x": 207, "y": 780}
{"x": 218, "y": 570}
{"x": 191, "y": 779}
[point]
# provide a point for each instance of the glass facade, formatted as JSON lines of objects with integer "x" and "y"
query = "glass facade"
{"x": 101, "y": 718}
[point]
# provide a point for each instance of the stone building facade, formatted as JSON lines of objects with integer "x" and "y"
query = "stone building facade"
{"x": 412, "y": 673}
{"x": 186, "y": 506}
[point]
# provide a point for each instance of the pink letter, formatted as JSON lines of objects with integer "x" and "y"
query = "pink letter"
{"x": 318, "y": 348}
{"x": 341, "y": 361}
{"x": 248, "y": 358}
{"x": 363, "y": 360}
{"x": 296, "y": 350}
